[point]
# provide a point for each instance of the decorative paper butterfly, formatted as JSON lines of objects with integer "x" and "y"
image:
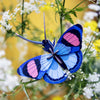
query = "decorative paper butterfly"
{"x": 65, "y": 57}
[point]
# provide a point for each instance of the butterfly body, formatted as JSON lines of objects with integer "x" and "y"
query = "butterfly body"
{"x": 63, "y": 58}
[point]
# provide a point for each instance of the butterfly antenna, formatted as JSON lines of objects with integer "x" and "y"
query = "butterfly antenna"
{"x": 35, "y": 42}
{"x": 44, "y": 26}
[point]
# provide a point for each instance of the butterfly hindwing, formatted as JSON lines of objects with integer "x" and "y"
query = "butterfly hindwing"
{"x": 72, "y": 38}
{"x": 55, "y": 74}
{"x": 72, "y": 61}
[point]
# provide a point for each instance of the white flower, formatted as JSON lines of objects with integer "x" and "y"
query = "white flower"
{"x": 7, "y": 80}
{"x": 42, "y": 3}
{"x": 6, "y": 16}
{"x": 94, "y": 7}
{"x": 5, "y": 64}
{"x": 28, "y": 7}
{"x": 11, "y": 81}
{"x": 8, "y": 27}
{"x": 87, "y": 30}
{"x": 3, "y": 23}
{"x": 84, "y": 46}
{"x": 90, "y": 15}
{"x": 97, "y": 87}
{"x": 21, "y": 47}
{"x": 2, "y": 75}
{"x": 93, "y": 77}
{"x": 87, "y": 39}
{"x": 96, "y": 33}
{"x": 2, "y": 53}
{"x": 1, "y": 39}
{"x": 88, "y": 92}
{"x": 2, "y": 30}
{"x": 16, "y": 10}
{"x": 85, "y": 59}
{"x": 32, "y": 1}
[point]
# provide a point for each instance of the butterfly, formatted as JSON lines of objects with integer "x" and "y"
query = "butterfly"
{"x": 63, "y": 58}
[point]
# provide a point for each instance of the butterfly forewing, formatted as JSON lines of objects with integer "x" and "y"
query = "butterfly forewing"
{"x": 72, "y": 38}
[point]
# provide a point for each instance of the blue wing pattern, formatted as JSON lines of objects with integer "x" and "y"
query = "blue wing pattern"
{"x": 55, "y": 74}
{"x": 73, "y": 61}
{"x": 72, "y": 38}
{"x": 35, "y": 67}
{"x": 62, "y": 49}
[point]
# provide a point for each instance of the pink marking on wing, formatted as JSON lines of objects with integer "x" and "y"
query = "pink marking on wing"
{"x": 32, "y": 69}
{"x": 68, "y": 36}
{"x": 72, "y": 39}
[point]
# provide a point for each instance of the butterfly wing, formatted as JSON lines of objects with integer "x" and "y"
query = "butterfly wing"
{"x": 72, "y": 61}
{"x": 68, "y": 48}
{"x": 55, "y": 74}
{"x": 72, "y": 38}
{"x": 35, "y": 67}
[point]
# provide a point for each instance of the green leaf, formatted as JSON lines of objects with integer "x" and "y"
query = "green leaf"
{"x": 79, "y": 9}
{"x": 68, "y": 17}
{"x": 9, "y": 33}
{"x": 73, "y": 12}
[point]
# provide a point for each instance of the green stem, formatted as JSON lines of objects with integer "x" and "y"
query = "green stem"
{"x": 61, "y": 25}
{"x": 16, "y": 92}
{"x": 89, "y": 46}
{"x": 24, "y": 89}
{"x": 57, "y": 5}
{"x": 71, "y": 90}
{"x": 78, "y": 4}
{"x": 22, "y": 17}
{"x": 63, "y": 2}
{"x": 31, "y": 81}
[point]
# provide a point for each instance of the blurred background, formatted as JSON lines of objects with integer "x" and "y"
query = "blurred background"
{"x": 14, "y": 51}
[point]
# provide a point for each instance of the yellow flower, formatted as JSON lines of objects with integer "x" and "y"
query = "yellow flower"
{"x": 46, "y": 7}
{"x": 57, "y": 98}
{"x": 92, "y": 25}
{"x": 97, "y": 45}
{"x": 49, "y": 34}
{"x": 97, "y": 48}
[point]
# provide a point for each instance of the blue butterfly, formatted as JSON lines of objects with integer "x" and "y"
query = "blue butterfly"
{"x": 65, "y": 57}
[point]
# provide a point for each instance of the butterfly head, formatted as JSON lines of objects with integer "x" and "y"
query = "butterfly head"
{"x": 47, "y": 45}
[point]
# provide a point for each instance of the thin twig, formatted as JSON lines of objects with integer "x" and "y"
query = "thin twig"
{"x": 78, "y": 5}
{"x": 31, "y": 81}
{"x": 24, "y": 89}
{"x": 89, "y": 46}
{"x": 22, "y": 16}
